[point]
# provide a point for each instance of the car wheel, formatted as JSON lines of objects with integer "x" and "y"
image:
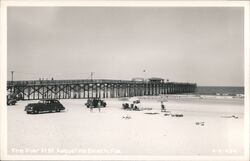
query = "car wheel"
{"x": 36, "y": 112}
{"x": 58, "y": 110}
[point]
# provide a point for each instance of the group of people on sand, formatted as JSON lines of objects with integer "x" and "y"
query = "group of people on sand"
{"x": 132, "y": 106}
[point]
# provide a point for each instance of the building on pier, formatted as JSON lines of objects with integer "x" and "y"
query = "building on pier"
{"x": 156, "y": 80}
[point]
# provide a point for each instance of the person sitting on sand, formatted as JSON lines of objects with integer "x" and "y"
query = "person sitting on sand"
{"x": 131, "y": 106}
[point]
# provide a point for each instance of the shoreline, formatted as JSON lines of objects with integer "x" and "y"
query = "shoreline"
{"x": 194, "y": 98}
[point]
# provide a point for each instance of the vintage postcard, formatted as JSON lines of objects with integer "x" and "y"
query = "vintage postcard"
{"x": 124, "y": 80}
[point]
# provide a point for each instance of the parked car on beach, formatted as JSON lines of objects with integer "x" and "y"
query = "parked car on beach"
{"x": 47, "y": 105}
{"x": 11, "y": 101}
{"x": 95, "y": 102}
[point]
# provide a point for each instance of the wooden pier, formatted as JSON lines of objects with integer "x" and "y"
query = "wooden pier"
{"x": 80, "y": 89}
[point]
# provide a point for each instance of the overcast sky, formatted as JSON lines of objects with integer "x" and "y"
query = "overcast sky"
{"x": 202, "y": 45}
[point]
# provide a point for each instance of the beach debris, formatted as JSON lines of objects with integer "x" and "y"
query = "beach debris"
{"x": 200, "y": 123}
{"x": 236, "y": 117}
{"x": 126, "y": 117}
{"x": 167, "y": 113}
{"x": 151, "y": 113}
{"x": 177, "y": 115}
{"x": 230, "y": 116}
{"x": 147, "y": 108}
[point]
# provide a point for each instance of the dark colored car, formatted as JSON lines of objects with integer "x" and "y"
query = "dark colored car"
{"x": 95, "y": 103}
{"x": 48, "y": 105}
{"x": 11, "y": 101}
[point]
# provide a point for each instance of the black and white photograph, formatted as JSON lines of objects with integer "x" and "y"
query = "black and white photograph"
{"x": 124, "y": 80}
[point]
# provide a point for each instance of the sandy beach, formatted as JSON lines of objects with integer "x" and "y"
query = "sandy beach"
{"x": 206, "y": 128}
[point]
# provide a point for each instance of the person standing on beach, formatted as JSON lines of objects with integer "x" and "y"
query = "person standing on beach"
{"x": 92, "y": 105}
{"x": 166, "y": 100}
{"x": 99, "y": 108}
{"x": 162, "y": 107}
{"x": 91, "y": 108}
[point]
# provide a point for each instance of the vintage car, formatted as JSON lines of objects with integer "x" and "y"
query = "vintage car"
{"x": 47, "y": 105}
{"x": 95, "y": 102}
{"x": 11, "y": 101}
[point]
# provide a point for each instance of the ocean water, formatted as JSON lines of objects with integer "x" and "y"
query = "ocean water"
{"x": 219, "y": 90}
